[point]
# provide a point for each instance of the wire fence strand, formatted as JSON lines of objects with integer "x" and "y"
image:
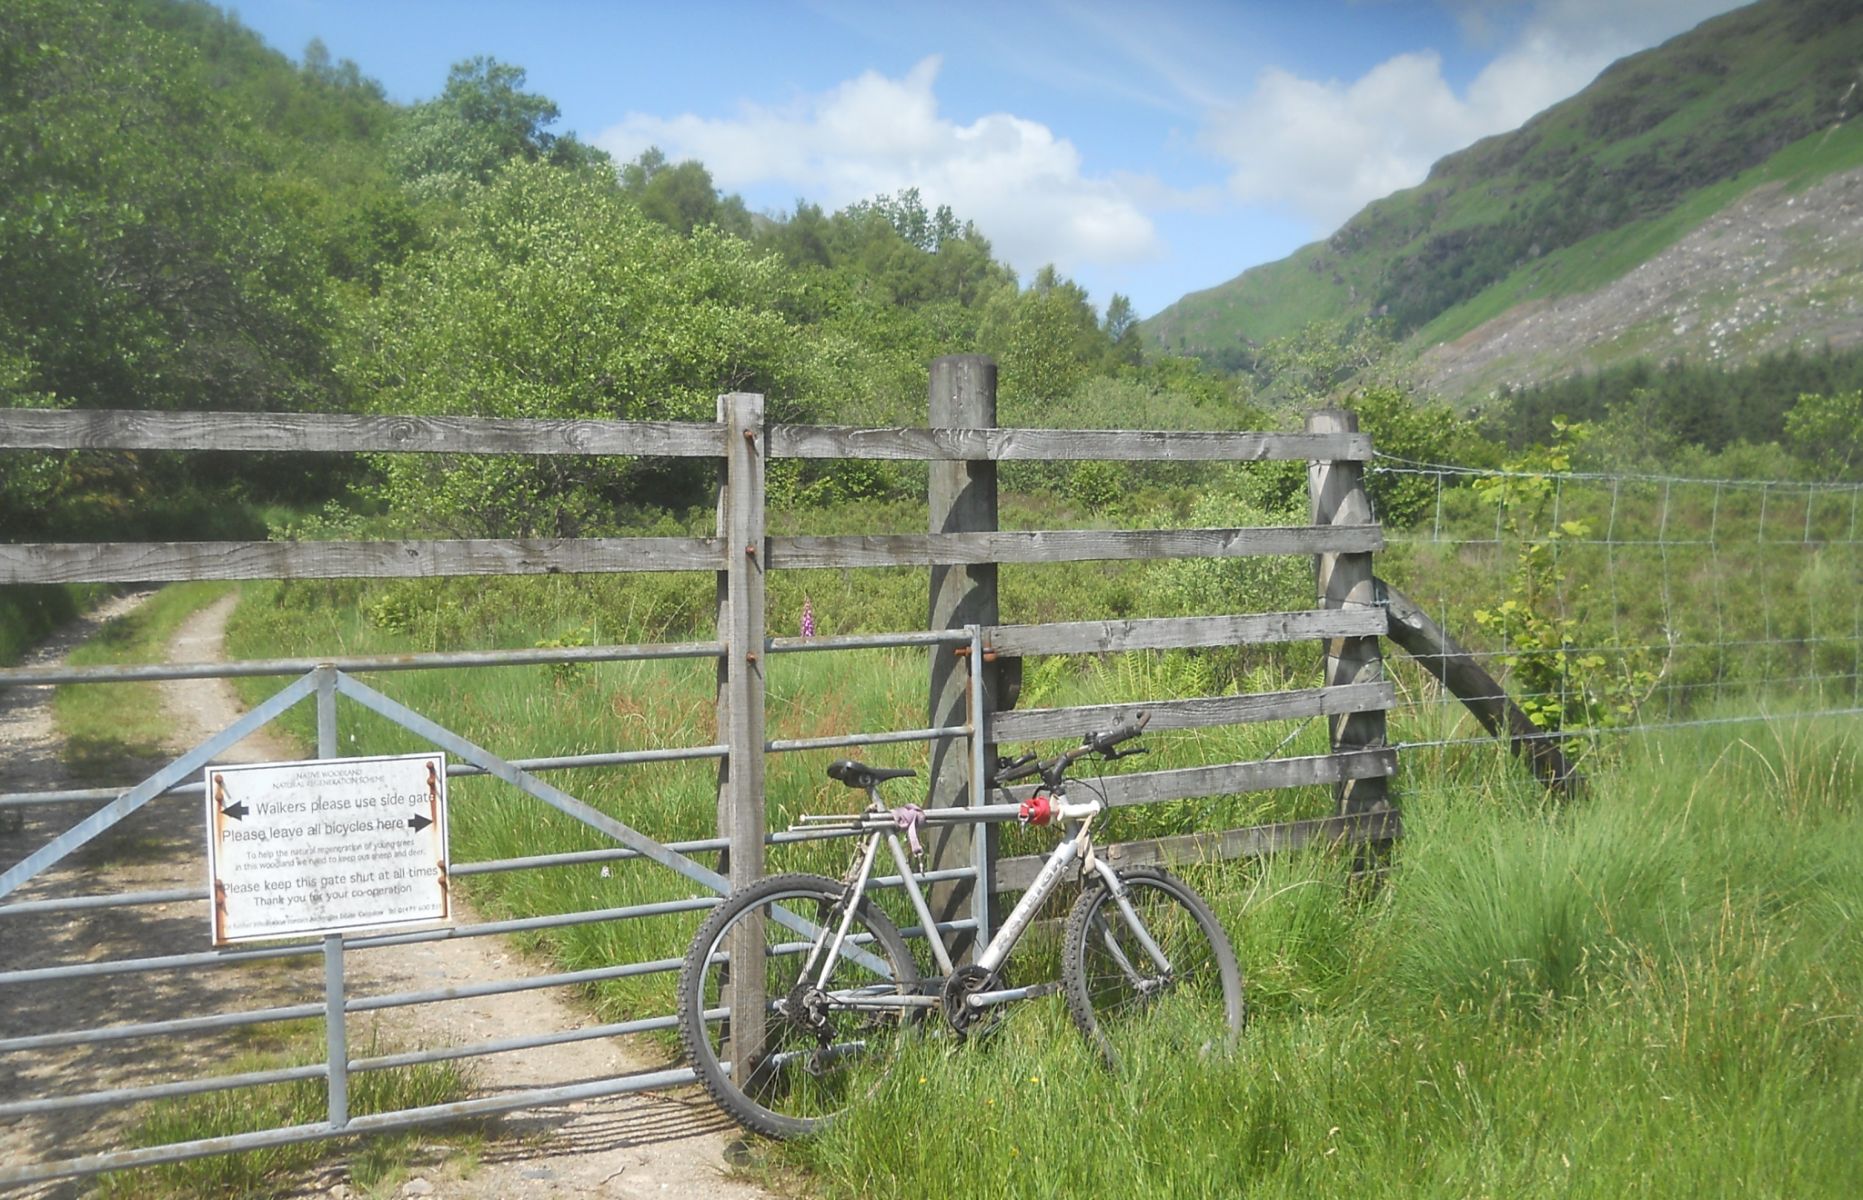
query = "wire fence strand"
{"x": 1678, "y": 602}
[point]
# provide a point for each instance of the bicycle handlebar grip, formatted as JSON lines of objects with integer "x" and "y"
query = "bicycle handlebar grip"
{"x": 1021, "y": 768}
{"x": 1125, "y": 732}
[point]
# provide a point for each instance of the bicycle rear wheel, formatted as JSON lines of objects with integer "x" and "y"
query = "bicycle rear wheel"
{"x": 820, "y": 1049}
{"x": 1189, "y": 990}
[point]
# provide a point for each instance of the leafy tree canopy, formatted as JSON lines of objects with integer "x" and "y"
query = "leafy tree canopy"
{"x": 156, "y": 251}
{"x": 1827, "y": 433}
{"x": 682, "y": 196}
{"x": 482, "y": 120}
{"x": 556, "y": 297}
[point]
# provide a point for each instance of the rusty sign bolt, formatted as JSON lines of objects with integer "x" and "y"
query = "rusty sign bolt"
{"x": 750, "y": 548}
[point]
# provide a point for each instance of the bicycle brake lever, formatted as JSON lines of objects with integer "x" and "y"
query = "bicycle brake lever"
{"x": 1112, "y": 754}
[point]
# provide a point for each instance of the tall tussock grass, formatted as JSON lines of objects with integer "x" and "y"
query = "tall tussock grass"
{"x": 1651, "y": 991}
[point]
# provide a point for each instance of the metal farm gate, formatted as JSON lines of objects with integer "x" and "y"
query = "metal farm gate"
{"x": 972, "y": 660}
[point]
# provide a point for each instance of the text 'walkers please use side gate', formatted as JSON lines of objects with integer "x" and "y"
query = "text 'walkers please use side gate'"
{"x": 71, "y": 1072}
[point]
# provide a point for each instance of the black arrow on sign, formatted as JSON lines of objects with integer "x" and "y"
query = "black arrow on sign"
{"x": 236, "y": 811}
{"x": 418, "y": 823}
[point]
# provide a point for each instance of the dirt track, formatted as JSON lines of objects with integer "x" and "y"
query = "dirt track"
{"x": 635, "y": 1146}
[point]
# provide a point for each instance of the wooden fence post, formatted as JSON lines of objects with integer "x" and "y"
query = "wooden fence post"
{"x": 1346, "y": 581}
{"x": 740, "y": 691}
{"x": 963, "y": 500}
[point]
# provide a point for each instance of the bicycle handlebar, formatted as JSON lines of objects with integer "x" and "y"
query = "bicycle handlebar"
{"x": 1094, "y": 743}
{"x": 1104, "y": 742}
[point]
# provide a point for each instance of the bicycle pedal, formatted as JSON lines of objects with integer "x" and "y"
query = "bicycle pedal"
{"x": 984, "y": 1030}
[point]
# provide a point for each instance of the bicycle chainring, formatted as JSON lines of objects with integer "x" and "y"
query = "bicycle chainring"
{"x": 965, "y": 982}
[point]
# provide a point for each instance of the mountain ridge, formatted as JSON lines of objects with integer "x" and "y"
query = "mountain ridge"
{"x": 1573, "y": 200}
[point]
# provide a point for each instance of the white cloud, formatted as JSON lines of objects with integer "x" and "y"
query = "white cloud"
{"x": 1325, "y": 149}
{"x": 1023, "y": 186}
{"x": 1592, "y": 27}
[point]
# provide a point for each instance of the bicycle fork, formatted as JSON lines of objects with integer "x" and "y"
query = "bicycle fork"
{"x": 1064, "y": 856}
{"x": 1122, "y": 898}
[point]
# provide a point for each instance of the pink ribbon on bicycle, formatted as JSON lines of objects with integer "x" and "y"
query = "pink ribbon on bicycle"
{"x": 909, "y": 817}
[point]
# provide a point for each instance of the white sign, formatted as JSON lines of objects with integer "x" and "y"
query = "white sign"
{"x": 328, "y": 845}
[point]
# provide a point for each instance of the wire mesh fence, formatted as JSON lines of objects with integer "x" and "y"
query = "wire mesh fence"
{"x": 1618, "y": 603}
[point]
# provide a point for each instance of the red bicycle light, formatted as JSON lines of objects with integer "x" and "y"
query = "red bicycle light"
{"x": 1035, "y": 811}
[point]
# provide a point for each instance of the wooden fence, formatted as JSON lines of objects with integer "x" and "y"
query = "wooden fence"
{"x": 963, "y": 547}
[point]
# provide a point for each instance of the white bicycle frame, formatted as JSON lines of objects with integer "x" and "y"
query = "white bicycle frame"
{"x": 1075, "y": 844}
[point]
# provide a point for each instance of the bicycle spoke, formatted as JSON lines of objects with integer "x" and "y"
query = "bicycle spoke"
{"x": 817, "y": 1047}
{"x": 1128, "y": 962}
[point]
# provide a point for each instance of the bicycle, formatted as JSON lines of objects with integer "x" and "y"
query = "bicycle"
{"x": 840, "y": 986}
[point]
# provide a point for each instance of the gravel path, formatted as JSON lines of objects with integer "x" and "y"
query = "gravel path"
{"x": 633, "y": 1146}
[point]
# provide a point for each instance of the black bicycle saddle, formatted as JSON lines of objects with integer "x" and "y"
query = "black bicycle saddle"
{"x": 860, "y": 775}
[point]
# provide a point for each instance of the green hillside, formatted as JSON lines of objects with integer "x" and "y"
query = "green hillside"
{"x": 1626, "y": 166}
{"x": 1606, "y": 256}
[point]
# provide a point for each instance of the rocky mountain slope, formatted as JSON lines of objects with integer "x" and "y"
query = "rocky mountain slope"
{"x": 1777, "y": 269}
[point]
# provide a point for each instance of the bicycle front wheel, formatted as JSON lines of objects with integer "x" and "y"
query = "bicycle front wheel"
{"x": 825, "y": 1036}
{"x": 1159, "y": 965}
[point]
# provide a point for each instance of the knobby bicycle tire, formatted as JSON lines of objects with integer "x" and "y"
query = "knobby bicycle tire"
{"x": 1115, "y": 990}
{"x": 812, "y": 1064}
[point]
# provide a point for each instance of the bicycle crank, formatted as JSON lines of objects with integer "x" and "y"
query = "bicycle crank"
{"x": 964, "y": 983}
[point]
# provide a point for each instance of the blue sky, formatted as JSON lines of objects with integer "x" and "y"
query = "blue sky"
{"x": 1151, "y": 149}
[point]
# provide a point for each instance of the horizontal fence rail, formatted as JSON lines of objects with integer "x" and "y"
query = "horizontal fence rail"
{"x": 357, "y": 664}
{"x": 1184, "y": 633}
{"x": 1257, "y": 841}
{"x": 1110, "y": 445}
{"x": 1198, "y": 712}
{"x": 144, "y": 562}
{"x": 1221, "y": 779}
{"x": 1065, "y": 545}
{"x": 161, "y": 562}
{"x": 80, "y": 429}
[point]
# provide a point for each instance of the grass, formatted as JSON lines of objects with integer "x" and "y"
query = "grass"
{"x": 373, "y": 1163}
{"x": 111, "y": 728}
{"x": 1652, "y": 993}
{"x": 28, "y": 613}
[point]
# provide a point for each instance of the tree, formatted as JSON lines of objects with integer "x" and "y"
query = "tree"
{"x": 154, "y": 257}
{"x": 1412, "y": 430}
{"x": 681, "y": 195}
{"x": 802, "y": 240}
{"x": 1046, "y": 339}
{"x": 1121, "y": 329}
{"x": 1826, "y": 432}
{"x": 556, "y": 297}
{"x": 482, "y": 120}
{"x": 1306, "y": 367}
